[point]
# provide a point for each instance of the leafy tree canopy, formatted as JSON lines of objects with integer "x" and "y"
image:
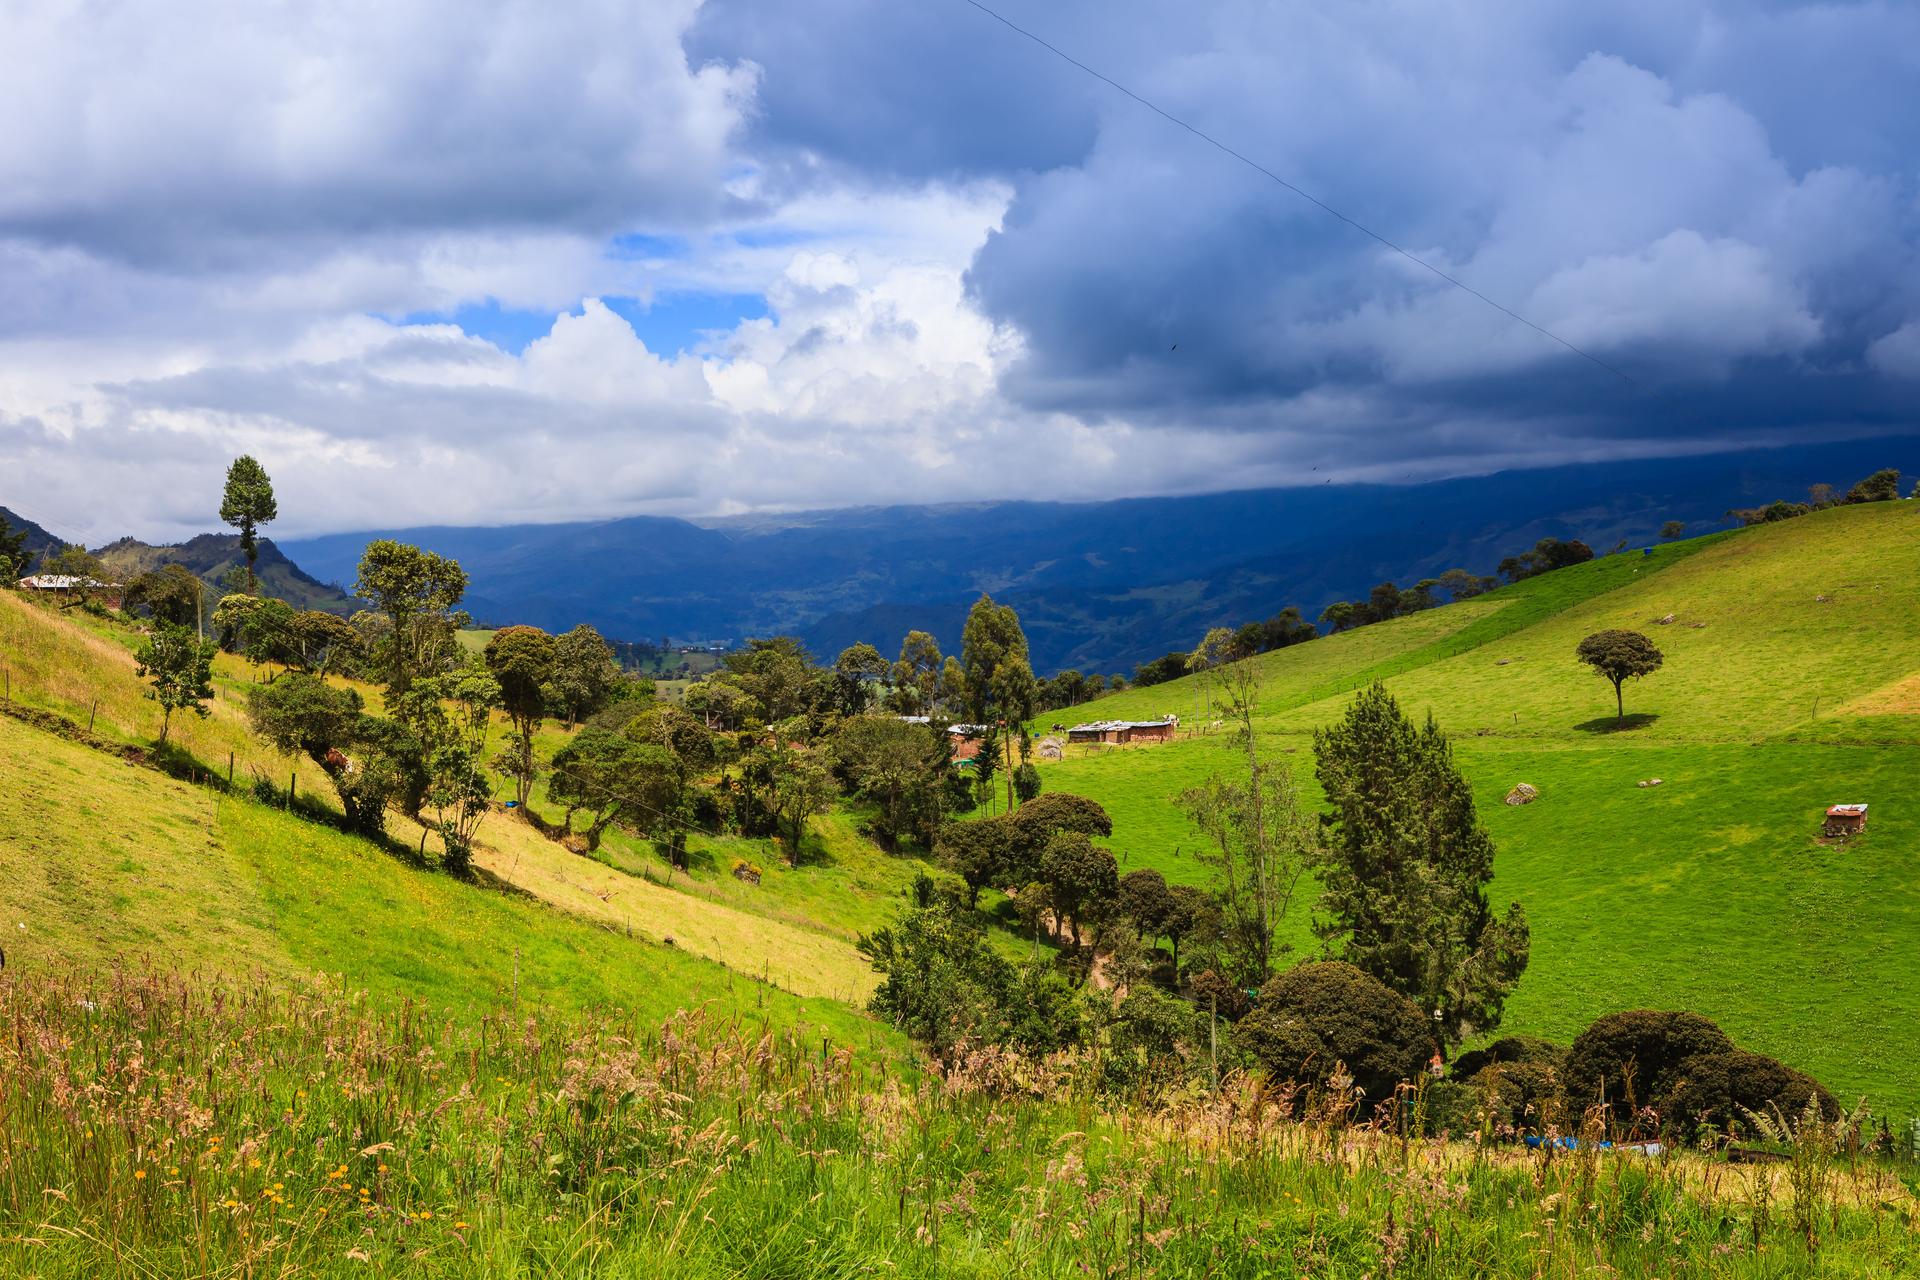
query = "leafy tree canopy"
{"x": 1620, "y": 656}
{"x": 246, "y": 503}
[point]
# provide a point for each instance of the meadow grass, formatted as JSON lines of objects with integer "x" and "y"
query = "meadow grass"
{"x": 1708, "y": 892}
{"x": 158, "y": 1126}
{"x": 81, "y": 667}
{"x": 102, "y": 862}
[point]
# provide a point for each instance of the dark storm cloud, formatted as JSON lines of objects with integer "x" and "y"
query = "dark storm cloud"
{"x": 1719, "y": 201}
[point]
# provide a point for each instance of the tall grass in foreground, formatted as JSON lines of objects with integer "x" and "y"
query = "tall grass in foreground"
{"x": 159, "y": 1126}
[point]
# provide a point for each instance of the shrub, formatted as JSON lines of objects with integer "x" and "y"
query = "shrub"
{"x": 1881, "y": 486}
{"x": 1527, "y": 1097}
{"x": 1519, "y": 1080}
{"x": 1509, "y": 1049}
{"x": 1634, "y": 1058}
{"x": 1214, "y": 993}
{"x": 1719, "y": 1088}
{"x": 1318, "y": 1014}
{"x": 1155, "y": 1043}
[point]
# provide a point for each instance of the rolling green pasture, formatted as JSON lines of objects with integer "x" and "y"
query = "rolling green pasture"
{"x": 1708, "y": 892}
{"x": 102, "y": 862}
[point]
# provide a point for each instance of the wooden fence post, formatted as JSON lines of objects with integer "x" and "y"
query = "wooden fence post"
{"x": 91, "y": 712}
{"x": 229, "y": 770}
{"x": 292, "y": 779}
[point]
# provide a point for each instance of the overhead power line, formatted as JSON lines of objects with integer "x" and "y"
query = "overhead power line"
{"x": 1308, "y": 196}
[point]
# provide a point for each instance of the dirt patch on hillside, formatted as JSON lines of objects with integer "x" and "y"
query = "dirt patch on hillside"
{"x": 1901, "y": 698}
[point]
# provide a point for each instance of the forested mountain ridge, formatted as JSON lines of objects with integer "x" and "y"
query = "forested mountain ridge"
{"x": 1099, "y": 586}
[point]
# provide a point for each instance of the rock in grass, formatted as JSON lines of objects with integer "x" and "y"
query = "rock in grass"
{"x": 1523, "y": 793}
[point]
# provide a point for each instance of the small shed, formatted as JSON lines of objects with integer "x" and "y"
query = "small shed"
{"x": 1121, "y": 731}
{"x": 1845, "y": 820}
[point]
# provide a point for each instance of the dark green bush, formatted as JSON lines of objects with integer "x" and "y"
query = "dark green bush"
{"x": 1719, "y": 1088}
{"x": 1517, "y": 1082}
{"x": 1154, "y": 1043}
{"x": 1529, "y": 1049}
{"x": 1633, "y": 1059}
{"x": 1213, "y": 993}
{"x": 1317, "y": 1015}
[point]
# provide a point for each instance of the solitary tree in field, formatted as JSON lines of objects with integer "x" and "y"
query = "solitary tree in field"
{"x": 304, "y": 713}
{"x": 246, "y": 504}
{"x": 448, "y": 716}
{"x": 1673, "y": 529}
{"x": 611, "y": 777}
{"x": 179, "y": 666}
{"x": 1619, "y": 656}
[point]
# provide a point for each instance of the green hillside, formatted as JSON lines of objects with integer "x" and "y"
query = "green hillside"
{"x": 104, "y": 862}
{"x": 1709, "y": 892}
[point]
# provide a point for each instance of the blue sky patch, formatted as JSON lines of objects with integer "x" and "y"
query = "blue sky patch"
{"x": 678, "y": 321}
{"x": 675, "y": 322}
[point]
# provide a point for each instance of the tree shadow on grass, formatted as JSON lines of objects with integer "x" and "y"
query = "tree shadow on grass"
{"x": 1623, "y": 724}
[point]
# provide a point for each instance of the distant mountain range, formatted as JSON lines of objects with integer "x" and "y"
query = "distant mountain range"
{"x": 1099, "y": 586}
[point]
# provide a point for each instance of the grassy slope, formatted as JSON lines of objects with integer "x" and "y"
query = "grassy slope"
{"x": 101, "y": 860}
{"x": 1707, "y": 892}
{"x": 79, "y": 667}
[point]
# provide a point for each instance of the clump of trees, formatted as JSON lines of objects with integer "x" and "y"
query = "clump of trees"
{"x": 1414, "y": 956}
{"x": 1881, "y": 486}
{"x": 1547, "y": 555}
{"x": 1619, "y": 656}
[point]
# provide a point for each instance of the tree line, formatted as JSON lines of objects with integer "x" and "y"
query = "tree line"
{"x": 1881, "y": 486}
{"x": 1404, "y": 921}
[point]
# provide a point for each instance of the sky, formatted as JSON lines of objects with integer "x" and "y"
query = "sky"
{"x": 485, "y": 262}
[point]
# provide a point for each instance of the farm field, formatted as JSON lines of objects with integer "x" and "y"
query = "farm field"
{"x": 1709, "y": 892}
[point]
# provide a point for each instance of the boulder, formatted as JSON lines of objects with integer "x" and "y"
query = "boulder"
{"x": 1664, "y": 622}
{"x": 1649, "y": 782}
{"x": 1523, "y": 793}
